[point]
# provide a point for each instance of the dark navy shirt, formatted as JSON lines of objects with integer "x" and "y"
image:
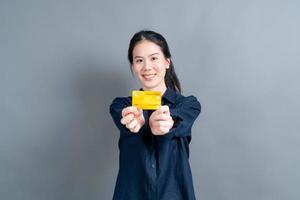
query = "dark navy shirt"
{"x": 155, "y": 167}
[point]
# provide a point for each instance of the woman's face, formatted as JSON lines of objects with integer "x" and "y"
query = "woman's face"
{"x": 149, "y": 65}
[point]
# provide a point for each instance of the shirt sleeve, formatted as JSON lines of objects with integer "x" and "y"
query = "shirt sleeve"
{"x": 184, "y": 114}
{"x": 115, "y": 109}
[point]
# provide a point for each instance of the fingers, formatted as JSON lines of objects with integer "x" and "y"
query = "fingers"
{"x": 129, "y": 113}
{"x": 132, "y": 124}
{"x": 164, "y": 109}
{"x": 140, "y": 112}
{"x": 161, "y": 117}
{"x": 135, "y": 129}
{"x": 132, "y": 109}
{"x": 163, "y": 130}
{"x": 160, "y": 121}
{"x": 167, "y": 124}
{"x": 162, "y": 114}
{"x": 132, "y": 118}
{"x": 128, "y": 118}
{"x": 160, "y": 130}
{"x": 129, "y": 109}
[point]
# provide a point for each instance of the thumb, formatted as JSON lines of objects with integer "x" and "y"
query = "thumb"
{"x": 165, "y": 109}
{"x": 141, "y": 117}
{"x": 141, "y": 114}
{"x": 135, "y": 111}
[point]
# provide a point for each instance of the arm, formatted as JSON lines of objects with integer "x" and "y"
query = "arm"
{"x": 115, "y": 110}
{"x": 127, "y": 118}
{"x": 184, "y": 114}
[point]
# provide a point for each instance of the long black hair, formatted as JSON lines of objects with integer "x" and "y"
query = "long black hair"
{"x": 171, "y": 78}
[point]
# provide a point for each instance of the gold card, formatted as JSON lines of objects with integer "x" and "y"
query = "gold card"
{"x": 146, "y": 100}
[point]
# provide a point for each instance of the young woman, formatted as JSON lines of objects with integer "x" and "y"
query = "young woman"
{"x": 154, "y": 145}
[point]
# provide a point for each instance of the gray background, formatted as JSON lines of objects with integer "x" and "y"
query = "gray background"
{"x": 62, "y": 63}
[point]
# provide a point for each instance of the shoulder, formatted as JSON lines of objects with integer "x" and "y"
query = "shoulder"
{"x": 120, "y": 102}
{"x": 187, "y": 100}
{"x": 185, "y": 107}
{"x": 125, "y": 100}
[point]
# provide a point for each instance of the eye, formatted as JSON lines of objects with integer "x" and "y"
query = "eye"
{"x": 138, "y": 60}
{"x": 154, "y": 58}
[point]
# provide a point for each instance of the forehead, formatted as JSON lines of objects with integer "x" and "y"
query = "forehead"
{"x": 145, "y": 48}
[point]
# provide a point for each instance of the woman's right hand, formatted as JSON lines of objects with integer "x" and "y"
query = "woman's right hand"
{"x": 133, "y": 118}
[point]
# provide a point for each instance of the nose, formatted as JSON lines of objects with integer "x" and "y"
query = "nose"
{"x": 147, "y": 65}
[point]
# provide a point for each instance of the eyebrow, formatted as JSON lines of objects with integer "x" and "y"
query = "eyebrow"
{"x": 148, "y": 56}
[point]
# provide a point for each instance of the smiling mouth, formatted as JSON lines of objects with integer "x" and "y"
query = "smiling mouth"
{"x": 148, "y": 76}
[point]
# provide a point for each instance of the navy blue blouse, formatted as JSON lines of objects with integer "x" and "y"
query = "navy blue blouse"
{"x": 156, "y": 167}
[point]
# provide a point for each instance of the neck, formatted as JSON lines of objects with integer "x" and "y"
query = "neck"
{"x": 162, "y": 89}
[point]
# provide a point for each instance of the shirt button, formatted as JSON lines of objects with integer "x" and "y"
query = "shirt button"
{"x": 153, "y": 165}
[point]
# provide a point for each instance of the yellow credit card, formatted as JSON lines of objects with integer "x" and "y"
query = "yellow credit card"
{"x": 146, "y": 100}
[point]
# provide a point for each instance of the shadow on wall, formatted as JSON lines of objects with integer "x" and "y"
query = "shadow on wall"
{"x": 88, "y": 145}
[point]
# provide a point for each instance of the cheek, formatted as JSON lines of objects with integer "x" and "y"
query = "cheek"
{"x": 160, "y": 66}
{"x": 136, "y": 72}
{"x": 161, "y": 69}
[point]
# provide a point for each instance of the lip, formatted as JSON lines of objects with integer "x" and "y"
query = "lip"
{"x": 148, "y": 77}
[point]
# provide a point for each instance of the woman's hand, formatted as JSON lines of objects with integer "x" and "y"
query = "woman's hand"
{"x": 160, "y": 121}
{"x": 133, "y": 118}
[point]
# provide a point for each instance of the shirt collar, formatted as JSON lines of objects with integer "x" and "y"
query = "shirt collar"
{"x": 169, "y": 95}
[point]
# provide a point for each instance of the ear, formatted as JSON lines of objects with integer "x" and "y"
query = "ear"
{"x": 168, "y": 63}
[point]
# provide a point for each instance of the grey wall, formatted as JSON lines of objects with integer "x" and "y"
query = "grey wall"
{"x": 62, "y": 62}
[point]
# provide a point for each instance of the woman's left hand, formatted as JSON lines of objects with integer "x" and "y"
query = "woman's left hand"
{"x": 160, "y": 121}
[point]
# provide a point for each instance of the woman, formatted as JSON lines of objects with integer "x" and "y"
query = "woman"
{"x": 154, "y": 145}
